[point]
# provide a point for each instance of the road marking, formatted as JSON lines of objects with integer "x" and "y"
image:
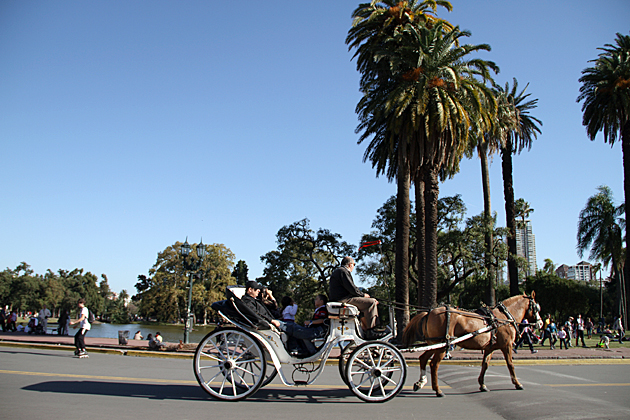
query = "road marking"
{"x": 164, "y": 381}
{"x": 561, "y": 385}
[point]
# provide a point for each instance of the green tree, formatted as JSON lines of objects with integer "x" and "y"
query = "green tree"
{"x": 461, "y": 253}
{"x": 520, "y": 130}
{"x": 163, "y": 296}
{"x": 605, "y": 91}
{"x": 563, "y": 297}
{"x": 240, "y": 273}
{"x": 600, "y": 229}
{"x": 303, "y": 262}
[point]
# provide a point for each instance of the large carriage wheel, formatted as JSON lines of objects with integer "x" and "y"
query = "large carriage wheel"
{"x": 346, "y": 349}
{"x": 230, "y": 364}
{"x": 376, "y": 371}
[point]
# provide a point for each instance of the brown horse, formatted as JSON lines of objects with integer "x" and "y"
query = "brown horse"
{"x": 432, "y": 326}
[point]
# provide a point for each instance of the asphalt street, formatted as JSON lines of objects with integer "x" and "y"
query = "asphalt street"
{"x": 51, "y": 384}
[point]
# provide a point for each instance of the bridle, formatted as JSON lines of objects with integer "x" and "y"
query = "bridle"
{"x": 533, "y": 307}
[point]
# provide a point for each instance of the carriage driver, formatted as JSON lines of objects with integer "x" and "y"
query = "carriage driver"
{"x": 343, "y": 289}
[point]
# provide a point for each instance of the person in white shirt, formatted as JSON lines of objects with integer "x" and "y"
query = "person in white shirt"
{"x": 43, "y": 316}
{"x": 84, "y": 327}
{"x": 289, "y": 309}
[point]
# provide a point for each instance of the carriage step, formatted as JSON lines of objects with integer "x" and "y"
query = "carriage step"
{"x": 301, "y": 383}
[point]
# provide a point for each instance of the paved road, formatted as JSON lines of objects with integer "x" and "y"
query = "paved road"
{"x": 51, "y": 384}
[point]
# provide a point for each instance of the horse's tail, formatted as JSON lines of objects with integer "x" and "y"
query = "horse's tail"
{"x": 413, "y": 331}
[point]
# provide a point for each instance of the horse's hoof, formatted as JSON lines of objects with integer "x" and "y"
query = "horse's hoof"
{"x": 439, "y": 394}
{"x": 483, "y": 388}
{"x": 519, "y": 387}
{"x": 420, "y": 384}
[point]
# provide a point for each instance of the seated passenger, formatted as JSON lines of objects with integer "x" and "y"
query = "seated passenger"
{"x": 343, "y": 289}
{"x": 303, "y": 336}
{"x": 250, "y": 299}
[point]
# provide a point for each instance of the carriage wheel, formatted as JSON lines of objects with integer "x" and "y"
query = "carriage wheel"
{"x": 270, "y": 370}
{"x": 346, "y": 348}
{"x": 376, "y": 371}
{"x": 230, "y": 364}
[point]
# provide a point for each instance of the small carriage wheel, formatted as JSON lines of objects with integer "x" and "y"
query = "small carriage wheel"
{"x": 230, "y": 364}
{"x": 343, "y": 359}
{"x": 376, "y": 371}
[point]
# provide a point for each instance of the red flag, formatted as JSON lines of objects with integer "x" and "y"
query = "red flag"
{"x": 367, "y": 244}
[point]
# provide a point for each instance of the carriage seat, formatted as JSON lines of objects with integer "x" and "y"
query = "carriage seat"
{"x": 340, "y": 310}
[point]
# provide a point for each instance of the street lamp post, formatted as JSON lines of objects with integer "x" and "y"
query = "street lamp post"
{"x": 191, "y": 265}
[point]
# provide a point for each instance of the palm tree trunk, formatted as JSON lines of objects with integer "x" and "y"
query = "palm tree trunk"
{"x": 402, "y": 242}
{"x": 420, "y": 242}
{"x": 488, "y": 228}
{"x": 510, "y": 219}
{"x": 625, "y": 142}
{"x": 431, "y": 194}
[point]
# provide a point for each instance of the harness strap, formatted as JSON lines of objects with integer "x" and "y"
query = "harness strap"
{"x": 510, "y": 318}
{"x": 447, "y": 336}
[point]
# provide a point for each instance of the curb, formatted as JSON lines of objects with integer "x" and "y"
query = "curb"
{"x": 615, "y": 360}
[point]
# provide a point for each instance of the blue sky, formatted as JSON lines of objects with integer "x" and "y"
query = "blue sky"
{"x": 128, "y": 126}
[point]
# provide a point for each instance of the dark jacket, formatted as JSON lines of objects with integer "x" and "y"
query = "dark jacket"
{"x": 257, "y": 307}
{"x": 342, "y": 286}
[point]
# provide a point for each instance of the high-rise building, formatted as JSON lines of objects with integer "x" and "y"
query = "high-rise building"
{"x": 526, "y": 247}
{"x": 582, "y": 271}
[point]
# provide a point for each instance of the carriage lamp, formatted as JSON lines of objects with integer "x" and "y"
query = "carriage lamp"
{"x": 191, "y": 265}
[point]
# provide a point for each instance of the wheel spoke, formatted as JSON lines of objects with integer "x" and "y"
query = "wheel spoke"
{"x": 380, "y": 384}
{"x": 210, "y": 356}
{"x": 210, "y": 366}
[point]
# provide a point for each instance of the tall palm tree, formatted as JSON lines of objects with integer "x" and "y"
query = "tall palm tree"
{"x": 600, "y": 228}
{"x": 372, "y": 33}
{"x": 488, "y": 138}
{"x": 525, "y": 129}
{"x": 441, "y": 92}
{"x": 605, "y": 91}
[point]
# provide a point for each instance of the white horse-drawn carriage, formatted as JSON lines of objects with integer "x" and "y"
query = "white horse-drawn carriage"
{"x": 234, "y": 361}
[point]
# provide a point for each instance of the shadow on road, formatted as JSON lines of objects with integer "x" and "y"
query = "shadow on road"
{"x": 195, "y": 393}
{"x": 118, "y": 389}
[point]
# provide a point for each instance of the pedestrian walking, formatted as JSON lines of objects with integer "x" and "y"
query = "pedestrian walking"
{"x": 618, "y": 326}
{"x": 526, "y": 335}
{"x": 579, "y": 331}
{"x": 553, "y": 335}
{"x": 562, "y": 336}
{"x": 589, "y": 328}
{"x": 84, "y": 327}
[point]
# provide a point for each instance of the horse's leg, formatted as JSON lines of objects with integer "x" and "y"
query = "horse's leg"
{"x": 435, "y": 364}
{"x": 424, "y": 358}
{"x": 507, "y": 354}
{"x": 487, "y": 355}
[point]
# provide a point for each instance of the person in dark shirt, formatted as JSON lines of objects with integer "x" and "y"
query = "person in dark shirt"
{"x": 300, "y": 336}
{"x": 343, "y": 289}
{"x": 250, "y": 299}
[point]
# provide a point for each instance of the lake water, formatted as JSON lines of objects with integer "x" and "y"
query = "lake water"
{"x": 170, "y": 333}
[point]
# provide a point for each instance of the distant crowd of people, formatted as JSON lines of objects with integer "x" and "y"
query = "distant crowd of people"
{"x": 574, "y": 328}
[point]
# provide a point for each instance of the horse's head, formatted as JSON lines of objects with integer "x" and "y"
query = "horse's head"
{"x": 533, "y": 311}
